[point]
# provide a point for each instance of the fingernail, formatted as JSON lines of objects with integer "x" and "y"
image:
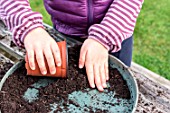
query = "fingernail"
{"x": 100, "y": 88}
{"x": 93, "y": 86}
{"x": 59, "y": 64}
{"x": 104, "y": 85}
{"x": 80, "y": 66}
{"x": 33, "y": 68}
{"x": 44, "y": 72}
{"x": 107, "y": 78}
{"x": 53, "y": 71}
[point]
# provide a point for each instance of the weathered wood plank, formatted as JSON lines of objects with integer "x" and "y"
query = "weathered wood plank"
{"x": 153, "y": 97}
{"x": 150, "y": 75}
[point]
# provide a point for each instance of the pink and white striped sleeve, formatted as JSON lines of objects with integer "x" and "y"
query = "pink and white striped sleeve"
{"x": 117, "y": 25}
{"x": 19, "y": 18}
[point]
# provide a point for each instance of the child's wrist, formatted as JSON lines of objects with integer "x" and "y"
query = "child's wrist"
{"x": 31, "y": 32}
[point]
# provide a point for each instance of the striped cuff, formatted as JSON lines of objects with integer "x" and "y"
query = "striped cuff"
{"x": 20, "y": 32}
{"x": 96, "y": 33}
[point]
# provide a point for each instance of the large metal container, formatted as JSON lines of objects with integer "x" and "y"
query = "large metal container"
{"x": 81, "y": 98}
{"x": 125, "y": 106}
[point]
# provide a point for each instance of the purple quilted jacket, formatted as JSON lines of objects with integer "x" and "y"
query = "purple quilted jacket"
{"x": 107, "y": 21}
{"x": 75, "y": 16}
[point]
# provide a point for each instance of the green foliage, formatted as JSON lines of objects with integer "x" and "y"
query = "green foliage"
{"x": 151, "y": 36}
{"x": 38, "y": 5}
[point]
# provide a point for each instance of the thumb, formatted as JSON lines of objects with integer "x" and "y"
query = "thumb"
{"x": 26, "y": 58}
{"x": 82, "y": 57}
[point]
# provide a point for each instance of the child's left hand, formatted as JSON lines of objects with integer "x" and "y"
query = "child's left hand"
{"x": 95, "y": 57}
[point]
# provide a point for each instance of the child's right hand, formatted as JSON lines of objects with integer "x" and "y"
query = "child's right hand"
{"x": 40, "y": 44}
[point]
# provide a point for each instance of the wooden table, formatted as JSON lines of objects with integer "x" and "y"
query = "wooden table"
{"x": 154, "y": 95}
{"x": 154, "y": 90}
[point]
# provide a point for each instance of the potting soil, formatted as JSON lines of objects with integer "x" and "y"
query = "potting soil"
{"x": 27, "y": 94}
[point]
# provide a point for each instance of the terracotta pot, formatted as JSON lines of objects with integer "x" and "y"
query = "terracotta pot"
{"x": 61, "y": 71}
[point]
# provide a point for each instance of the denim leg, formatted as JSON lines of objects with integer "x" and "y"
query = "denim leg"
{"x": 125, "y": 54}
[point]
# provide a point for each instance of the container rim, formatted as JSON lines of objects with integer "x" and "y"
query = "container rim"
{"x": 133, "y": 78}
{"x": 117, "y": 61}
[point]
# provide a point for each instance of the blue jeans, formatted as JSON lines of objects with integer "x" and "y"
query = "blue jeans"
{"x": 125, "y": 54}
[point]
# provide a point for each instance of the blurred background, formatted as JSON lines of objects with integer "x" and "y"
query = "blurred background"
{"x": 151, "y": 35}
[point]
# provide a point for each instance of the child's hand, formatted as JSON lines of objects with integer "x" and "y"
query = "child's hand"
{"x": 95, "y": 57}
{"x": 39, "y": 43}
